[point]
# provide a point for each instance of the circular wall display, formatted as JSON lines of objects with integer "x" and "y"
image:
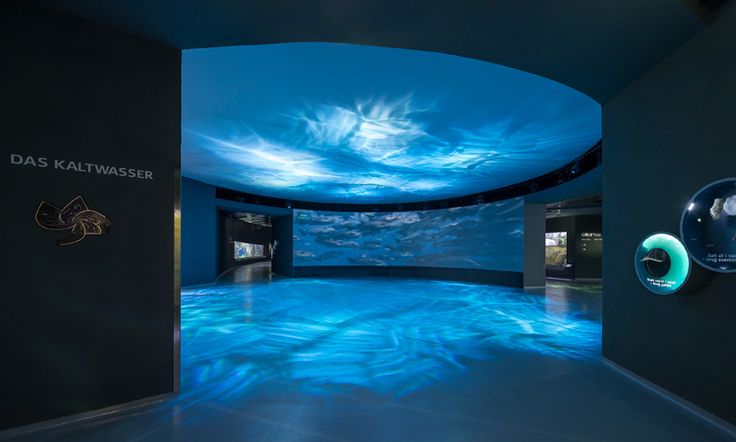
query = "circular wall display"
{"x": 662, "y": 263}
{"x": 708, "y": 226}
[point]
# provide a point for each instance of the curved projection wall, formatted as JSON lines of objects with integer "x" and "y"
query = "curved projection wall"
{"x": 340, "y": 123}
{"x": 487, "y": 236}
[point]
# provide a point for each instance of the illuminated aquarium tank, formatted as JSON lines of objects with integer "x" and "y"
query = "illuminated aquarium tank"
{"x": 339, "y": 123}
{"x": 486, "y": 236}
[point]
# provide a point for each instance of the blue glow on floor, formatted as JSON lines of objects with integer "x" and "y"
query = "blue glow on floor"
{"x": 347, "y": 123}
{"x": 391, "y": 336}
{"x": 393, "y": 360}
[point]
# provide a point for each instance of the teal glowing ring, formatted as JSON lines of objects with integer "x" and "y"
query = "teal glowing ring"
{"x": 679, "y": 270}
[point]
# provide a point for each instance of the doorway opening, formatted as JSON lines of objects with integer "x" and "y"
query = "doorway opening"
{"x": 574, "y": 239}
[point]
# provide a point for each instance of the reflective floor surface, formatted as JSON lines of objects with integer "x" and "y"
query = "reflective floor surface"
{"x": 394, "y": 360}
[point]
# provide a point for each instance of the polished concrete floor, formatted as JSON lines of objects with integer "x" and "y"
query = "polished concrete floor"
{"x": 257, "y": 272}
{"x": 394, "y": 360}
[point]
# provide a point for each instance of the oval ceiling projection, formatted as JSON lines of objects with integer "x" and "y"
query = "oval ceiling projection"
{"x": 337, "y": 123}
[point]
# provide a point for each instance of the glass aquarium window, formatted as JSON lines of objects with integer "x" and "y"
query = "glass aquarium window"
{"x": 556, "y": 249}
{"x": 247, "y": 250}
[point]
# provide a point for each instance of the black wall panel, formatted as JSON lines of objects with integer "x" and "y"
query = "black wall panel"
{"x": 497, "y": 277}
{"x": 282, "y": 228}
{"x": 87, "y": 325}
{"x": 666, "y": 136}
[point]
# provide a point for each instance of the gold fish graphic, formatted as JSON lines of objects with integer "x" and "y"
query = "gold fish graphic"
{"x": 76, "y": 217}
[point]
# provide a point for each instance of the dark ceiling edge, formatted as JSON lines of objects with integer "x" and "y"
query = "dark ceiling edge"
{"x": 574, "y": 169}
{"x": 707, "y": 10}
{"x": 49, "y": 6}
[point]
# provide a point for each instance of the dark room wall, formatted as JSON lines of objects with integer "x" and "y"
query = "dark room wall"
{"x": 665, "y": 136}
{"x": 198, "y": 233}
{"x": 282, "y": 228}
{"x": 87, "y": 325}
{"x": 234, "y": 229}
{"x": 534, "y": 224}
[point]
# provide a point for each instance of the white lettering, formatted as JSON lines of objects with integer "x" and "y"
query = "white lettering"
{"x": 78, "y": 166}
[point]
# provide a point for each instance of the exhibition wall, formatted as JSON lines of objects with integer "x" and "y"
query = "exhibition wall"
{"x": 485, "y": 236}
{"x": 88, "y": 314}
{"x": 282, "y": 229}
{"x": 482, "y": 242}
{"x": 666, "y": 136}
{"x": 198, "y": 233}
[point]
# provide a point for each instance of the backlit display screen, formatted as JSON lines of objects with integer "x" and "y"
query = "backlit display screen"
{"x": 244, "y": 250}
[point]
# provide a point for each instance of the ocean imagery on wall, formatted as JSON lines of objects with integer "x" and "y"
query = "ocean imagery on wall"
{"x": 486, "y": 236}
{"x": 708, "y": 226}
{"x": 75, "y": 217}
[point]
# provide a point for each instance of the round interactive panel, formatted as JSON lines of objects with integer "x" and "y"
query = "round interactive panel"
{"x": 662, "y": 263}
{"x": 708, "y": 226}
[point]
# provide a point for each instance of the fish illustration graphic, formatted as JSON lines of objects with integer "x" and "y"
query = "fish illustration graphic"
{"x": 76, "y": 217}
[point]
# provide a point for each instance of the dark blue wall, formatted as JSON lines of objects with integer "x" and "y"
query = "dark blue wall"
{"x": 198, "y": 233}
{"x": 283, "y": 232}
{"x": 666, "y": 136}
{"x": 92, "y": 324}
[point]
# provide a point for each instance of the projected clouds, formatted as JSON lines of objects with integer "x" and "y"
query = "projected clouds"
{"x": 487, "y": 236}
{"x": 344, "y": 123}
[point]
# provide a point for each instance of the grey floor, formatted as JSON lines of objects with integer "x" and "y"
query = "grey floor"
{"x": 516, "y": 396}
{"x": 257, "y": 272}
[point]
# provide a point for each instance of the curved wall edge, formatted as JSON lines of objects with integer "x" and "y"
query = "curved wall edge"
{"x": 570, "y": 171}
{"x": 496, "y": 277}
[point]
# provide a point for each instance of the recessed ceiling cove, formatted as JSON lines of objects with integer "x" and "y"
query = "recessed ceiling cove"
{"x": 339, "y": 123}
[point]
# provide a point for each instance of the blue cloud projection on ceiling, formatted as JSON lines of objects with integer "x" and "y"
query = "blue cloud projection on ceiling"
{"x": 338, "y": 123}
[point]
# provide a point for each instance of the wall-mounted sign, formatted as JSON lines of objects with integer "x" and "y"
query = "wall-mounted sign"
{"x": 590, "y": 244}
{"x": 75, "y": 217}
{"x": 708, "y": 226}
{"x": 662, "y": 263}
{"x": 79, "y": 167}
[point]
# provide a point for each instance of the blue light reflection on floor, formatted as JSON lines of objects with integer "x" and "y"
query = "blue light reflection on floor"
{"x": 391, "y": 336}
{"x": 378, "y": 360}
